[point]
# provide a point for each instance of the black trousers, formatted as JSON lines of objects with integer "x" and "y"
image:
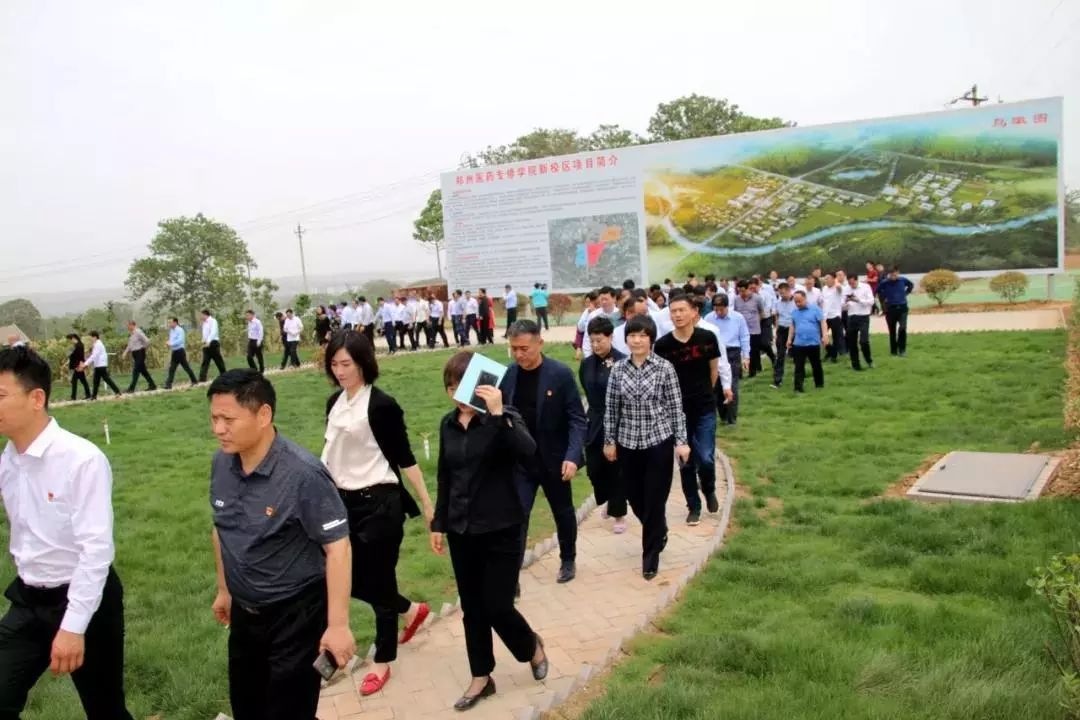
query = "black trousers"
{"x": 76, "y": 378}
{"x": 757, "y": 347}
{"x": 486, "y": 571}
{"x": 729, "y": 412}
{"x": 511, "y": 318}
{"x": 101, "y": 374}
{"x": 388, "y": 333}
{"x": 138, "y": 362}
{"x": 483, "y": 331}
{"x": 438, "y": 329}
{"x": 291, "y": 354}
{"x": 471, "y": 326}
{"x": 271, "y": 651}
{"x": 647, "y": 473}
{"x": 802, "y": 353}
{"x": 606, "y": 479}
{"x": 255, "y": 352}
{"x": 178, "y": 359}
{"x": 781, "y": 354}
{"x": 767, "y": 332}
{"x": 413, "y": 330}
{"x": 26, "y": 636}
{"x": 837, "y": 347}
{"x": 369, "y": 330}
{"x": 858, "y": 337}
{"x": 211, "y": 352}
{"x": 542, "y": 317}
{"x": 896, "y": 319}
{"x": 376, "y": 529}
{"x": 561, "y": 501}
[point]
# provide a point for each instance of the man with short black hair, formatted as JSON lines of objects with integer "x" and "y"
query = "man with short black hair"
{"x": 539, "y": 300}
{"x": 893, "y": 291}
{"x": 545, "y": 393}
{"x": 605, "y": 299}
{"x": 67, "y": 603}
{"x": 735, "y": 341}
{"x": 211, "y": 339}
{"x": 177, "y": 343}
{"x": 99, "y": 360}
{"x": 283, "y": 579}
{"x": 255, "y": 336}
{"x": 292, "y": 329}
{"x": 695, "y": 354}
{"x": 859, "y": 302}
{"x": 136, "y": 347}
{"x": 753, "y": 308}
{"x": 366, "y": 318}
{"x": 510, "y": 303}
{"x": 483, "y": 313}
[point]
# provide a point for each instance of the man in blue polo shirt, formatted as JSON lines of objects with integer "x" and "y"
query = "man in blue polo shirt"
{"x": 806, "y": 340}
{"x": 893, "y": 292}
{"x": 539, "y": 299}
{"x": 178, "y": 353}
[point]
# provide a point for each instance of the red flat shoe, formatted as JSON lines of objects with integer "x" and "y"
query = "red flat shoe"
{"x": 372, "y": 683}
{"x": 421, "y": 616}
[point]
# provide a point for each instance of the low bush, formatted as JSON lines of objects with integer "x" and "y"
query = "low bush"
{"x": 1059, "y": 584}
{"x": 940, "y": 284}
{"x": 1009, "y": 285}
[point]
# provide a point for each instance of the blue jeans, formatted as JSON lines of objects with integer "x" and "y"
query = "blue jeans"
{"x": 701, "y": 432}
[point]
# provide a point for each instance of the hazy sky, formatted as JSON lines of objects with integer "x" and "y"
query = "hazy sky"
{"x": 118, "y": 114}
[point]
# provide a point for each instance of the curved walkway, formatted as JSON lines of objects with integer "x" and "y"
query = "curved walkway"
{"x": 584, "y": 623}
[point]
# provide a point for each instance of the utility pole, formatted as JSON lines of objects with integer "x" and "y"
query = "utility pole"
{"x": 303, "y": 268}
{"x": 971, "y": 96}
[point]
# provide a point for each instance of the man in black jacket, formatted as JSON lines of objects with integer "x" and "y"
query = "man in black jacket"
{"x": 544, "y": 392}
{"x": 484, "y": 314}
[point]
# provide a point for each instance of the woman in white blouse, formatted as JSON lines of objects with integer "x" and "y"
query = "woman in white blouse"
{"x": 367, "y": 451}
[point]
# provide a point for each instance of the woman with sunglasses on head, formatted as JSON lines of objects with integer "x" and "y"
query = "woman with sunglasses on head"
{"x": 367, "y": 451}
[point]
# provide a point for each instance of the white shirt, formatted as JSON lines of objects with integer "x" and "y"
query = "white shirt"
{"x": 98, "y": 357}
{"x": 351, "y": 454}
{"x": 58, "y": 498}
{"x": 348, "y": 315}
{"x": 663, "y": 322}
{"x": 860, "y": 301}
{"x": 510, "y": 298}
{"x": 583, "y": 321}
{"x": 618, "y": 338}
{"x": 399, "y": 312}
{"x": 293, "y": 327}
{"x": 586, "y": 343}
{"x": 769, "y": 296}
{"x": 210, "y": 330}
{"x": 409, "y": 313}
{"x": 813, "y": 295}
{"x": 471, "y": 306}
{"x": 456, "y": 307}
{"x": 832, "y": 300}
{"x": 422, "y": 312}
{"x": 365, "y": 315}
{"x": 255, "y": 330}
{"x": 436, "y": 309}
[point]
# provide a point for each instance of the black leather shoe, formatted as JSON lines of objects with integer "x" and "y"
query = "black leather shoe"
{"x": 467, "y": 702}
{"x": 649, "y": 574}
{"x": 540, "y": 669}
{"x": 712, "y": 504}
{"x": 567, "y": 572}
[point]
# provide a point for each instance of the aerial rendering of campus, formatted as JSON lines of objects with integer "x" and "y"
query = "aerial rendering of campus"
{"x": 975, "y": 190}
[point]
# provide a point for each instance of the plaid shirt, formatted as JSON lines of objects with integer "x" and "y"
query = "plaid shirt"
{"x": 644, "y": 405}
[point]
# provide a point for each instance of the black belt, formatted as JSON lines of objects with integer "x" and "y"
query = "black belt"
{"x": 735, "y": 350}
{"x": 370, "y": 492}
{"x": 277, "y": 606}
{"x": 43, "y": 595}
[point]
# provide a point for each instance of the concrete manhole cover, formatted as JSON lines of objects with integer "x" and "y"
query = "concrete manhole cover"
{"x": 985, "y": 477}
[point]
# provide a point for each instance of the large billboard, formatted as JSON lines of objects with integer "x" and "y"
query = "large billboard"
{"x": 978, "y": 190}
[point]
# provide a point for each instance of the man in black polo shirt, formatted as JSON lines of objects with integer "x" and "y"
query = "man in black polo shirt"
{"x": 284, "y": 565}
{"x": 695, "y": 353}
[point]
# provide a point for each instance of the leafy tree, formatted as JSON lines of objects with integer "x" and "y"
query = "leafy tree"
{"x": 1072, "y": 220}
{"x": 940, "y": 284}
{"x": 301, "y": 303}
{"x": 542, "y": 142}
{"x": 610, "y": 136}
{"x": 23, "y": 313}
{"x": 697, "y": 116}
{"x": 1009, "y": 285}
{"x": 428, "y": 228}
{"x": 195, "y": 262}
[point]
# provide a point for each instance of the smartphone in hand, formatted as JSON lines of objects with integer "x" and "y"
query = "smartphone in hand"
{"x": 326, "y": 665}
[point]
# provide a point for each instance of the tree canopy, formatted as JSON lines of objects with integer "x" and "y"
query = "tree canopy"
{"x": 428, "y": 228}
{"x": 23, "y": 313}
{"x": 197, "y": 263}
{"x": 696, "y": 116}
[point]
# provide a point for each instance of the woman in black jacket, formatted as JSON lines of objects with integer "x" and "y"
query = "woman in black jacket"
{"x": 478, "y": 508}
{"x": 75, "y": 359}
{"x": 322, "y": 326}
{"x": 367, "y": 451}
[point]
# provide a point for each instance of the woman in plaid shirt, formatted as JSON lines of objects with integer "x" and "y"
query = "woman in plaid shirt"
{"x": 643, "y": 422}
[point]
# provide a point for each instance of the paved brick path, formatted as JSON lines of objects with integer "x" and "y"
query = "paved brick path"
{"x": 583, "y": 624}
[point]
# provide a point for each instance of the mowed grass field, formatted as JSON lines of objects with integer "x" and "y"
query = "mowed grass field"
{"x": 830, "y": 602}
{"x": 160, "y": 455}
{"x": 827, "y": 602}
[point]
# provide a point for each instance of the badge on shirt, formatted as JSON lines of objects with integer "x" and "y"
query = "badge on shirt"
{"x": 269, "y": 511}
{"x": 51, "y": 497}
{"x": 550, "y": 393}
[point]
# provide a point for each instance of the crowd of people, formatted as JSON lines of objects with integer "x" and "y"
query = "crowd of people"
{"x": 295, "y": 535}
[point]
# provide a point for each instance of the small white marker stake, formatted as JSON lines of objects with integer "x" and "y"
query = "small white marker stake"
{"x": 427, "y": 445}
{"x": 108, "y": 440}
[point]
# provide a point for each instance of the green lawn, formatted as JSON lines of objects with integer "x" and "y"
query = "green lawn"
{"x": 831, "y": 603}
{"x": 160, "y": 454}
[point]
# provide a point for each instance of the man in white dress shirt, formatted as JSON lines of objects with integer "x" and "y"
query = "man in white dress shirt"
{"x": 385, "y": 316}
{"x": 365, "y": 319}
{"x": 255, "y": 341}
{"x": 859, "y": 303}
{"x": 67, "y": 604}
{"x": 438, "y": 322}
{"x": 99, "y": 361}
{"x": 471, "y": 310}
{"x": 832, "y": 301}
{"x": 211, "y": 341}
{"x": 292, "y": 329}
{"x": 510, "y": 303}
